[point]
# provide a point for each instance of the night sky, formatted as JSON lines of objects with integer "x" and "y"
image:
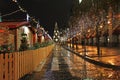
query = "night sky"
{"x": 47, "y": 11}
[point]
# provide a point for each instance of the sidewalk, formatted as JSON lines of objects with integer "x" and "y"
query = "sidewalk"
{"x": 107, "y": 55}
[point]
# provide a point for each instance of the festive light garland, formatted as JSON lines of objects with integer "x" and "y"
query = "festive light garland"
{"x": 10, "y": 13}
{"x": 20, "y": 9}
{"x": 23, "y": 10}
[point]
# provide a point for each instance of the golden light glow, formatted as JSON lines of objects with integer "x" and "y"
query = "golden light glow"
{"x": 110, "y": 75}
{"x": 109, "y": 22}
{"x": 111, "y": 62}
{"x": 101, "y": 26}
{"x": 88, "y": 30}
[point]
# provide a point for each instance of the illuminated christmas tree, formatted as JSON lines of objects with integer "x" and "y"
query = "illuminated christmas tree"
{"x": 56, "y": 36}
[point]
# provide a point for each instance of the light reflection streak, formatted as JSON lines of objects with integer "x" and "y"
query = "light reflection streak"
{"x": 111, "y": 62}
{"x": 110, "y": 75}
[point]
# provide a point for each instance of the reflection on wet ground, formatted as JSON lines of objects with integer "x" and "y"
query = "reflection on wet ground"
{"x": 67, "y": 66}
{"x": 108, "y": 55}
{"x": 64, "y": 65}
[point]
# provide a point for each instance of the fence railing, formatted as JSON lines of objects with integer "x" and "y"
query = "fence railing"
{"x": 15, "y": 65}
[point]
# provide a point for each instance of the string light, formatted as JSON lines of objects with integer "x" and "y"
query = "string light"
{"x": 19, "y": 6}
{"x": 10, "y": 13}
{"x": 23, "y": 10}
{"x": 20, "y": 9}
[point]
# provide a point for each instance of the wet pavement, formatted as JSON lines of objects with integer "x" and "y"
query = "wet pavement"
{"x": 107, "y": 55}
{"x": 64, "y": 65}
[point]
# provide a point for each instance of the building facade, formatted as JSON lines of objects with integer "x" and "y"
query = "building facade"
{"x": 12, "y": 33}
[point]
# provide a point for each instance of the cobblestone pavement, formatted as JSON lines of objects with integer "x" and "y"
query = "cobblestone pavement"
{"x": 64, "y": 65}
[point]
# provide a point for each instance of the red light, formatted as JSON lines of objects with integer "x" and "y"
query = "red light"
{"x": 1, "y": 30}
